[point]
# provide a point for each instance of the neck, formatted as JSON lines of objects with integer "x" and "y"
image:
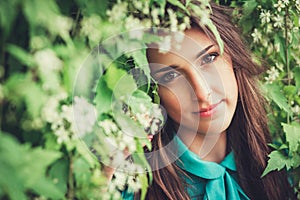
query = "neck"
{"x": 208, "y": 147}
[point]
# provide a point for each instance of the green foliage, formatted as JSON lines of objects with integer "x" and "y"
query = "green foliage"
{"x": 23, "y": 170}
{"x": 43, "y": 47}
{"x": 272, "y": 29}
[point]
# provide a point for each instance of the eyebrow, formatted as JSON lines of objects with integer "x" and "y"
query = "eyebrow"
{"x": 203, "y": 51}
{"x": 166, "y": 69}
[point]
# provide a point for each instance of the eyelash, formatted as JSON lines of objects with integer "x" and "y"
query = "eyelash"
{"x": 210, "y": 56}
{"x": 166, "y": 79}
{"x": 206, "y": 59}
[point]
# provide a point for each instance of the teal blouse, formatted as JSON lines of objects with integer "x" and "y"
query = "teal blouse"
{"x": 206, "y": 180}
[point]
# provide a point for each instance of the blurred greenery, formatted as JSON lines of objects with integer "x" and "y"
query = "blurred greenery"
{"x": 44, "y": 43}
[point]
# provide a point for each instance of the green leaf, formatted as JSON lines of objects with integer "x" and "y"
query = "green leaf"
{"x": 297, "y": 77}
{"x": 140, "y": 159}
{"x": 247, "y": 24}
{"x": 121, "y": 83}
{"x": 289, "y": 90}
{"x": 275, "y": 94}
{"x": 59, "y": 174}
{"x": 8, "y": 13}
{"x": 292, "y": 133}
{"x": 295, "y": 18}
{"x": 279, "y": 40}
{"x": 44, "y": 158}
{"x": 249, "y": 7}
{"x": 40, "y": 12}
{"x": 178, "y": 4}
{"x": 46, "y": 188}
{"x": 277, "y": 161}
{"x": 23, "y": 56}
{"x": 144, "y": 180}
{"x": 22, "y": 87}
{"x": 10, "y": 181}
{"x": 296, "y": 160}
{"x": 26, "y": 169}
{"x": 81, "y": 171}
{"x": 141, "y": 61}
{"x": 83, "y": 150}
{"x": 103, "y": 98}
{"x": 216, "y": 33}
{"x": 137, "y": 99}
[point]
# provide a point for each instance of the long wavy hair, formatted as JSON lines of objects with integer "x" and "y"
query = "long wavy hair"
{"x": 247, "y": 135}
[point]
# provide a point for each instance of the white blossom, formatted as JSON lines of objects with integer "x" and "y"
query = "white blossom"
{"x": 144, "y": 119}
{"x": 134, "y": 183}
{"x": 154, "y": 126}
{"x": 118, "y": 12}
{"x": 138, "y": 4}
{"x": 256, "y": 35}
{"x": 38, "y": 42}
{"x": 269, "y": 28}
{"x": 185, "y": 24}
{"x": 286, "y": 2}
{"x": 49, "y": 112}
{"x": 146, "y": 9}
{"x": 67, "y": 113}
{"x": 279, "y": 66}
{"x": 90, "y": 27}
{"x": 120, "y": 180}
{"x": 278, "y": 21}
{"x": 129, "y": 140}
{"x": 134, "y": 23}
{"x": 108, "y": 126}
{"x": 296, "y": 109}
{"x": 61, "y": 25}
{"x": 85, "y": 115}
{"x": 277, "y": 47}
{"x": 117, "y": 158}
{"x": 173, "y": 20}
{"x": 297, "y": 3}
{"x": 155, "y": 18}
{"x": 37, "y": 123}
{"x": 62, "y": 135}
{"x": 165, "y": 45}
{"x": 47, "y": 61}
{"x": 273, "y": 74}
{"x": 265, "y": 16}
{"x": 279, "y": 5}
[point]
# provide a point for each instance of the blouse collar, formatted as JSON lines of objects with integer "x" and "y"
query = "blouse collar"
{"x": 221, "y": 184}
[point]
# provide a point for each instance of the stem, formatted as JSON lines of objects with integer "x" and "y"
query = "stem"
{"x": 286, "y": 16}
{"x": 287, "y": 44}
{"x": 71, "y": 192}
{"x": 4, "y": 68}
{"x": 75, "y": 23}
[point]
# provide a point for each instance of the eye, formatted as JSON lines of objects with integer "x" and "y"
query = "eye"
{"x": 208, "y": 58}
{"x": 168, "y": 77}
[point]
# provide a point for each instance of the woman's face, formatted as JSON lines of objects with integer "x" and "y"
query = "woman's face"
{"x": 197, "y": 85}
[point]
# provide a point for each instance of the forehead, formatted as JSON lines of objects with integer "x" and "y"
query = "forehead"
{"x": 185, "y": 51}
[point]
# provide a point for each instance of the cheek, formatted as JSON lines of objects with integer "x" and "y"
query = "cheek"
{"x": 170, "y": 101}
{"x": 228, "y": 79}
{"x": 232, "y": 88}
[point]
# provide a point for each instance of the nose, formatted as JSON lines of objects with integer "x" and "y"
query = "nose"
{"x": 200, "y": 89}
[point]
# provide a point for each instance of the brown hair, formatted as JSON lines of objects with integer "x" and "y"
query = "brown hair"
{"x": 248, "y": 133}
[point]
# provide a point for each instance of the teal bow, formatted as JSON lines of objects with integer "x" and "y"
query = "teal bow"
{"x": 215, "y": 180}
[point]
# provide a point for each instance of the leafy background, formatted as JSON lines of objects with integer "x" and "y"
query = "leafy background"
{"x": 43, "y": 44}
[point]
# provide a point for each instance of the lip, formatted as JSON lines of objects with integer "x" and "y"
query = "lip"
{"x": 208, "y": 111}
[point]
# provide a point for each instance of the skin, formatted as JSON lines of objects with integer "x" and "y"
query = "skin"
{"x": 198, "y": 89}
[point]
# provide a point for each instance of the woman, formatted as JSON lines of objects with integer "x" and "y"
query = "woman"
{"x": 216, "y": 120}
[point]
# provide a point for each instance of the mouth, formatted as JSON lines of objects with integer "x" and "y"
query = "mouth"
{"x": 208, "y": 111}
